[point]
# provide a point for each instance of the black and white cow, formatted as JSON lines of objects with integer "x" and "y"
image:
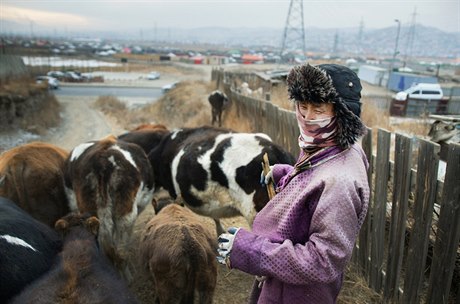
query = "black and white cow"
{"x": 27, "y": 249}
{"x": 214, "y": 171}
{"x": 219, "y": 102}
{"x": 113, "y": 180}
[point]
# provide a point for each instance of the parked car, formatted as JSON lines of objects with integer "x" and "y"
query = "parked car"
{"x": 72, "y": 76}
{"x": 53, "y": 83}
{"x": 169, "y": 86}
{"x": 425, "y": 91}
{"x": 153, "y": 75}
{"x": 56, "y": 74}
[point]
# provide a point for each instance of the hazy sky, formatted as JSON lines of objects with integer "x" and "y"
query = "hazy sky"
{"x": 141, "y": 15}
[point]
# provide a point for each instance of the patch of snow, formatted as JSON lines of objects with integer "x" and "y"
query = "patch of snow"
{"x": 63, "y": 62}
{"x": 11, "y": 139}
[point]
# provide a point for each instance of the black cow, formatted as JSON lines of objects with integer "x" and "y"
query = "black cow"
{"x": 82, "y": 273}
{"x": 145, "y": 136}
{"x": 214, "y": 171}
{"x": 219, "y": 102}
{"x": 27, "y": 249}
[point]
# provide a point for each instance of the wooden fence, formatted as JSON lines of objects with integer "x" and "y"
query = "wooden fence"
{"x": 401, "y": 250}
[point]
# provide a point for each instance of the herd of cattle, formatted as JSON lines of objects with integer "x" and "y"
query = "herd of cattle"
{"x": 67, "y": 217}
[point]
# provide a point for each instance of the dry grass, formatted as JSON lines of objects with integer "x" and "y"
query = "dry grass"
{"x": 28, "y": 106}
{"x": 184, "y": 106}
{"x": 355, "y": 289}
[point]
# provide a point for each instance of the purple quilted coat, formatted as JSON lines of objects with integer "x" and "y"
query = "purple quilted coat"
{"x": 304, "y": 237}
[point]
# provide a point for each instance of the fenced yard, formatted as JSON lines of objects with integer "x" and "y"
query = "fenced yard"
{"x": 408, "y": 247}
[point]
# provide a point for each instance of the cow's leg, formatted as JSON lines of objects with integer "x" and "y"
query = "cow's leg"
{"x": 213, "y": 116}
{"x": 220, "y": 118}
{"x": 219, "y": 228}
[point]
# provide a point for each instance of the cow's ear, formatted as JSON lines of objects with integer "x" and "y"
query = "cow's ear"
{"x": 110, "y": 138}
{"x": 92, "y": 224}
{"x": 61, "y": 225}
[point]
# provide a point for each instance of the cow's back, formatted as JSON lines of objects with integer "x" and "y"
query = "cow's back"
{"x": 179, "y": 251}
{"x": 113, "y": 180}
{"x": 33, "y": 177}
{"x": 27, "y": 248}
{"x": 147, "y": 137}
{"x": 162, "y": 156}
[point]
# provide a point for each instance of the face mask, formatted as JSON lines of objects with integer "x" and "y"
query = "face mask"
{"x": 317, "y": 132}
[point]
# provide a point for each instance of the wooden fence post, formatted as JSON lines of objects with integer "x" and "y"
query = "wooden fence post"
{"x": 401, "y": 187}
{"x": 364, "y": 235}
{"x": 425, "y": 196}
{"x": 448, "y": 232}
{"x": 379, "y": 208}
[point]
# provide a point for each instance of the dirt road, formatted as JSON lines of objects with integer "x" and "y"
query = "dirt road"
{"x": 80, "y": 123}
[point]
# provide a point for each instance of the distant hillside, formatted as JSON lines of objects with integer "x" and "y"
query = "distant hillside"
{"x": 427, "y": 41}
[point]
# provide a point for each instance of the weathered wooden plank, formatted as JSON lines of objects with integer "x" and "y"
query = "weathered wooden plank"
{"x": 379, "y": 208}
{"x": 425, "y": 196}
{"x": 401, "y": 186}
{"x": 448, "y": 232}
{"x": 365, "y": 234}
{"x": 269, "y": 124}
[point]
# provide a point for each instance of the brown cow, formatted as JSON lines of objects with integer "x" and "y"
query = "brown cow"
{"x": 32, "y": 176}
{"x": 178, "y": 250}
{"x": 150, "y": 126}
{"x": 82, "y": 273}
{"x": 113, "y": 180}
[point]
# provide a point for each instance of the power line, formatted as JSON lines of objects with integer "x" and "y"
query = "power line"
{"x": 294, "y": 30}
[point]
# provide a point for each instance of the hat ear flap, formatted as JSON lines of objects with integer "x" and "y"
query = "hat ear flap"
{"x": 349, "y": 126}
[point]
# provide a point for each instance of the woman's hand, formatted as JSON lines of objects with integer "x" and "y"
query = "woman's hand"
{"x": 225, "y": 244}
{"x": 265, "y": 179}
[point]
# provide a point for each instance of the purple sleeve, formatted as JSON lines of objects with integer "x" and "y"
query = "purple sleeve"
{"x": 280, "y": 170}
{"x": 323, "y": 257}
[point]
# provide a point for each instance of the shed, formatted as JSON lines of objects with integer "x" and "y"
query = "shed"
{"x": 400, "y": 81}
{"x": 372, "y": 74}
{"x": 249, "y": 58}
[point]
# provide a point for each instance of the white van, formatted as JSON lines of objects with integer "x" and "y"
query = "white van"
{"x": 425, "y": 91}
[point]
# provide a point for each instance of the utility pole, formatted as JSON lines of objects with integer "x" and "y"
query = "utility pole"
{"x": 359, "y": 47}
{"x": 410, "y": 38}
{"x": 335, "y": 48}
{"x": 294, "y": 30}
{"x": 395, "y": 51}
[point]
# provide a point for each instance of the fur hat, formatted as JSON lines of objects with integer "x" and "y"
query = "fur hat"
{"x": 331, "y": 83}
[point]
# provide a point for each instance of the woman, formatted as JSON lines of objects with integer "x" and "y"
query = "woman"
{"x": 303, "y": 238}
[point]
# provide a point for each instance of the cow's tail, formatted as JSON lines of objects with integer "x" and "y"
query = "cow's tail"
{"x": 192, "y": 252}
